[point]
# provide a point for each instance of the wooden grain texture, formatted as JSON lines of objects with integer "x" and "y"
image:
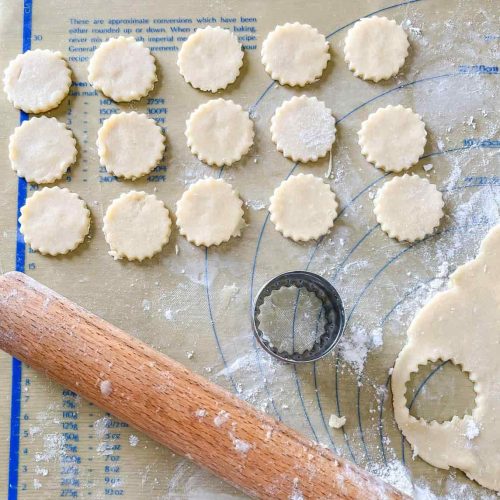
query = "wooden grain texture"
{"x": 172, "y": 405}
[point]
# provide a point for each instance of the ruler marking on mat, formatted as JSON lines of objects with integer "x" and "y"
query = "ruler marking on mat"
{"x": 15, "y": 409}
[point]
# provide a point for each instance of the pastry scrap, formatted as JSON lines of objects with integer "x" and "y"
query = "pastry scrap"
{"x": 303, "y": 129}
{"x": 136, "y": 226}
{"x": 393, "y": 138}
{"x": 123, "y": 69}
{"x": 54, "y": 221}
{"x": 37, "y": 80}
{"x": 408, "y": 208}
{"x": 210, "y": 59}
{"x": 219, "y": 132}
{"x": 41, "y": 150}
{"x": 303, "y": 207}
{"x": 461, "y": 324}
{"x": 210, "y": 212}
{"x": 295, "y": 54}
{"x": 376, "y": 48}
{"x": 336, "y": 422}
{"x": 130, "y": 144}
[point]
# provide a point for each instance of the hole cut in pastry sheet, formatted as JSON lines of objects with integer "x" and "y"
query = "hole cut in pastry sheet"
{"x": 430, "y": 402}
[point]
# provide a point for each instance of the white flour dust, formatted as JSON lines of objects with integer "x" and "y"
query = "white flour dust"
{"x": 240, "y": 445}
{"x": 53, "y": 448}
{"x": 221, "y": 418}
{"x": 472, "y": 430}
{"x": 200, "y": 413}
{"x": 357, "y": 343}
{"x": 104, "y": 449}
{"x": 394, "y": 473}
{"x": 101, "y": 427}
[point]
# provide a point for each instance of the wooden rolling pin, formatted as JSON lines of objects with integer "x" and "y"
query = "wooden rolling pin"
{"x": 172, "y": 405}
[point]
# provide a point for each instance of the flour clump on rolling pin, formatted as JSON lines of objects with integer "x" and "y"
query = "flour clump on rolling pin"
{"x": 106, "y": 387}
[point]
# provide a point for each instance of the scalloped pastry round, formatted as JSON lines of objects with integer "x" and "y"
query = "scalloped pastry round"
{"x": 136, "y": 226}
{"x": 295, "y": 54}
{"x": 219, "y": 132}
{"x": 42, "y": 149}
{"x": 461, "y": 324}
{"x": 393, "y": 138}
{"x": 303, "y": 207}
{"x": 211, "y": 58}
{"x": 210, "y": 212}
{"x": 123, "y": 69}
{"x": 408, "y": 208}
{"x": 303, "y": 129}
{"x": 376, "y": 48}
{"x": 37, "y": 80}
{"x": 54, "y": 221}
{"x": 130, "y": 144}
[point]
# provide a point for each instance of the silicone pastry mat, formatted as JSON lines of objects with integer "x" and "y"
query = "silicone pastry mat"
{"x": 194, "y": 304}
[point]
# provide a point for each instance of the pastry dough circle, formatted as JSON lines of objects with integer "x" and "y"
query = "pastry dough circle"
{"x": 303, "y": 129}
{"x": 303, "y": 207}
{"x": 130, "y": 144}
{"x": 461, "y": 324}
{"x": 295, "y": 54}
{"x": 210, "y": 212}
{"x": 211, "y": 58}
{"x": 393, "y": 138}
{"x": 219, "y": 132}
{"x": 408, "y": 208}
{"x": 37, "y": 80}
{"x": 376, "y": 48}
{"x": 123, "y": 69}
{"x": 136, "y": 226}
{"x": 54, "y": 221}
{"x": 42, "y": 149}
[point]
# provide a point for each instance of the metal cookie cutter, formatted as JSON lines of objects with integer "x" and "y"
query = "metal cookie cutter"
{"x": 333, "y": 311}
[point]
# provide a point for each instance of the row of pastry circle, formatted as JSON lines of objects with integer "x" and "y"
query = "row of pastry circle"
{"x": 131, "y": 145}
{"x": 210, "y": 59}
{"x": 124, "y": 69}
{"x": 210, "y": 212}
{"x": 293, "y": 54}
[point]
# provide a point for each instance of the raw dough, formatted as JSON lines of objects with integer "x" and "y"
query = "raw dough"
{"x": 136, "y": 226}
{"x": 211, "y": 58}
{"x": 37, "y": 80}
{"x": 54, "y": 221}
{"x": 408, "y": 208}
{"x": 393, "y": 138}
{"x": 303, "y": 207}
{"x": 42, "y": 149}
{"x": 461, "y": 324}
{"x": 295, "y": 54}
{"x": 210, "y": 212}
{"x": 130, "y": 144}
{"x": 219, "y": 132}
{"x": 376, "y": 48}
{"x": 123, "y": 69}
{"x": 303, "y": 129}
{"x": 336, "y": 422}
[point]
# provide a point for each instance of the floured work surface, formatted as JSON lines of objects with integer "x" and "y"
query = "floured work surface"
{"x": 194, "y": 305}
